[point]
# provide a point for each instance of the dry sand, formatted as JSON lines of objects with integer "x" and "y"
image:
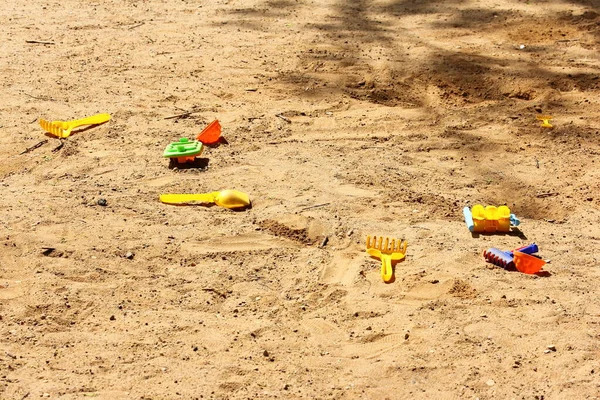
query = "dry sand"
{"x": 399, "y": 113}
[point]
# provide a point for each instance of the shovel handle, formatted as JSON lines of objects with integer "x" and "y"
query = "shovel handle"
{"x": 204, "y": 198}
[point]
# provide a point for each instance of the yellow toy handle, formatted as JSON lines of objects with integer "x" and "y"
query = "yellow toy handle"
{"x": 386, "y": 267}
{"x": 94, "y": 119}
{"x": 188, "y": 198}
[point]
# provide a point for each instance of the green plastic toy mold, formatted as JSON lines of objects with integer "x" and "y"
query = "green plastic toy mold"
{"x": 183, "y": 148}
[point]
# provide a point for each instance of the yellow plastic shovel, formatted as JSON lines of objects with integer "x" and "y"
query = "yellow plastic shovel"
{"x": 226, "y": 198}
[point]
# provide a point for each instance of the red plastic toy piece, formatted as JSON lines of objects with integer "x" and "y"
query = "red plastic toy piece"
{"x": 527, "y": 264}
{"x": 211, "y": 134}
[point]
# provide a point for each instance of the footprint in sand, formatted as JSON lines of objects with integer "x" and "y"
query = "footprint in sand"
{"x": 247, "y": 242}
{"x": 343, "y": 269}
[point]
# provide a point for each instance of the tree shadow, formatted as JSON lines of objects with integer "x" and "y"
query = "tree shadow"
{"x": 375, "y": 54}
{"x": 476, "y": 19}
{"x": 352, "y": 20}
{"x": 416, "y": 7}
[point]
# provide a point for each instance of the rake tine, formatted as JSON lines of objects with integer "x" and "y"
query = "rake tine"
{"x": 53, "y": 127}
{"x": 387, "y": 244}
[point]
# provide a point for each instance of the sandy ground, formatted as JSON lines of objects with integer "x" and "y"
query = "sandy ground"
{"x": 399, "y": 113}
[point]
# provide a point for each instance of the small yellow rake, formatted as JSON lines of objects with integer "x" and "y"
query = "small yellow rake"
{"x": 387, "y": 250}
{"x": 62, "y": 129}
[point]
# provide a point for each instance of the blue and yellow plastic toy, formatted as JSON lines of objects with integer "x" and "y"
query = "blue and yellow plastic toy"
{"x": 489, "y": 219}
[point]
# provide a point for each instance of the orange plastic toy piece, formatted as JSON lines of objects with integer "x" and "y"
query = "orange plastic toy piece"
{"x": 210, "y": 134}
{"x": 491, "y": 218}
{"x": 527, "y": 264}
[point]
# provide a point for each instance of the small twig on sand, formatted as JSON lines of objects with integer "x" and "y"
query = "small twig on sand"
{"x": 182, "y": 115}
{"x": 38, "y": 42}
{"x": 315, "y": 206}
{"x": 549, "y": 194}
{"x": 286, "y": 119}
{"x": 324, "y": 242}
{"x": 215, "y": 291}
{"x": 420, "y": 227}
{"x": 38, "y": 98}
{"x": 136, "y": 25}
{"x": 57, "y": 148}
{"x": 35, "y": 146}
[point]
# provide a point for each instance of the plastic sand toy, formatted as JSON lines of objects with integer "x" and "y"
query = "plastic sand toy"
{"x": 489, "y": 219}
{"x": 211, "y": 134}
{"x": 545, "y": 120}
{"x": 520, "y": 259}
{"x": 184, "y": 150}
{"x": 226, "y": 198}
{"x": 528, "y": 264}
{"x": 62, "y": 129}
{"x": 387, "y": 251}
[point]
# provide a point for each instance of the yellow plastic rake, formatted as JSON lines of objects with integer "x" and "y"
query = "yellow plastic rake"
{"x": 62, "y": 129}
{"x": 387, "y": 250}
